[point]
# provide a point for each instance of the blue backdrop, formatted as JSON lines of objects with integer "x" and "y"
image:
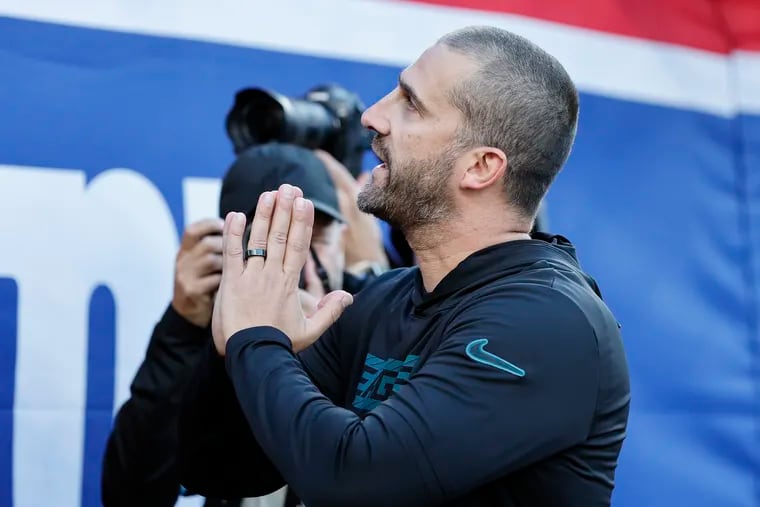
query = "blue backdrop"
{"x": 662, "y": 204}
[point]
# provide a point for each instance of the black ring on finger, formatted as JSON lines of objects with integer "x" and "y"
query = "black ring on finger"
{"x": 255, "y": 252}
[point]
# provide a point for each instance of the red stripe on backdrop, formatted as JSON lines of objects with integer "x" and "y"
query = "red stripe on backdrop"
{"x": 712, "y": 25}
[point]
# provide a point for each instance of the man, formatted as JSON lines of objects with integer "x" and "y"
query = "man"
{"x": 491, "y": 374}
{"x": 139, "y": 466}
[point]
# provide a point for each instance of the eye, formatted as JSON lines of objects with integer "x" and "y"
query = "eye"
{"x": 409, "y": 104}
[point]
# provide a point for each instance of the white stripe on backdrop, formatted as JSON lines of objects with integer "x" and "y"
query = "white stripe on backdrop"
{"x": 396, "y": 32}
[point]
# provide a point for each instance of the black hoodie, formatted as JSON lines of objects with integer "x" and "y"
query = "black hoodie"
{"x": 506, "y": 386}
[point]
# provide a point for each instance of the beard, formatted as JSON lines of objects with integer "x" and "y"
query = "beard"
{"x": 416, "y": 191}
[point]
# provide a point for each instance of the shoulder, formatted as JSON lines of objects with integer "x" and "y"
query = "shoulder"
{"x": 531, "y": 331}
{"x": 545, "y": 321}
{"x": 387, "y": 283}
{"x": 525, "y": 305}
{"x": 378, "y": 294}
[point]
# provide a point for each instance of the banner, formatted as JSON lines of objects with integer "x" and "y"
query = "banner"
{"x": 112, "y": 140}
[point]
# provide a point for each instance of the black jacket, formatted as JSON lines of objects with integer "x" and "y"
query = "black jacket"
{"x": 140, "y": 462}
{"x": 506, "y": 386}
{"x": 139, "y": 466}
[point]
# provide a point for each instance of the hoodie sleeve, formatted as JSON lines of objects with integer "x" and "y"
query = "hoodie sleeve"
{"x": 219, "y": 454}
{"x": 139, "y": 465}
{"x": 513, "y": 382}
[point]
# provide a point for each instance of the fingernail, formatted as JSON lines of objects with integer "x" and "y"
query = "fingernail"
{"x": 288, "y": 191}
{"x": 268, "y": 198}
{"x": 300, "y": 204}
{"x": 347, "y": 300}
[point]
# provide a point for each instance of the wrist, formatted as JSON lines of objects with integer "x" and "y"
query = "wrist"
{"x": 199, "y": 319}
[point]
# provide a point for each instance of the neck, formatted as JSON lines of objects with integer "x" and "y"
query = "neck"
{"x": 439, "y": 248}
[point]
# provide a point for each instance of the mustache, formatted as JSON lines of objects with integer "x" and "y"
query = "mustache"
{"x": 380, "y": 149}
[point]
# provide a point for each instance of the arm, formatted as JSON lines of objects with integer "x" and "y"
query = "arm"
{"x": 139, "y": 465}
{"x": 422, "y": 440}
{"x": 219, "y": 456}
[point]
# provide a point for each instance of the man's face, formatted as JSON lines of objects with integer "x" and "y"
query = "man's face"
{"x": 417, "y": 142}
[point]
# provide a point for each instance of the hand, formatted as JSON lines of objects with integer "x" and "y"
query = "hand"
{"x": 364, "y": 242}
{"x": 264, "y": 291}
{"x": 313, "y": 291}
{"x": 197, "y": 271}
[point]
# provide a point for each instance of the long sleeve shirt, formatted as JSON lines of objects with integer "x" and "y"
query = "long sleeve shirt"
{"x": 507, "y": 385}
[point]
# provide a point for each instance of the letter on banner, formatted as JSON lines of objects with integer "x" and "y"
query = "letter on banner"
{"x": 62, "y": 238}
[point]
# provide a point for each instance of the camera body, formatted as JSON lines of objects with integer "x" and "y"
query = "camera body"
{"x": 327, "y": 117}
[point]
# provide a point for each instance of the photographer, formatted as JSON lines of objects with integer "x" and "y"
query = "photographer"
{"x": 139, "y": 466}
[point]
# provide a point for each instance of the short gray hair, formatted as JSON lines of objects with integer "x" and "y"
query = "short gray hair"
{"x": 522, "y": 101}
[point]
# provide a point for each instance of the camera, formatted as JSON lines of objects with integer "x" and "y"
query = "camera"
{"x": 327, "y": 117}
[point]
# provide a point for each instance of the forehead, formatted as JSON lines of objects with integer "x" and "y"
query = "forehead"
{"x": 435, "y": 72}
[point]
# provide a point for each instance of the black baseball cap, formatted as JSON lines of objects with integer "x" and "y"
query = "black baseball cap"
{"x": 265, "y": 167}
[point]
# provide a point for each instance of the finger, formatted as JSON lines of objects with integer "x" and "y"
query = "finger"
{"x": 197, "y": 230}
{"x": 345, "y": 203}
{"x": 210, "y": 263}
{"x": 329, "y": 309}
{"x": 209, "y": 284}
{"x": 209, "y": 243}
{"x": 260, "y": 225}
{"x": 232, "y": 239}
{"x": 340, "y": 175}
{"x": 280, "y": 225}
{"x": 299, "y": 237}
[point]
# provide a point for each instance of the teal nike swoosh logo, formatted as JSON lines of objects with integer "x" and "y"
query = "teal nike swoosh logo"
{"x": 476, "y": 351}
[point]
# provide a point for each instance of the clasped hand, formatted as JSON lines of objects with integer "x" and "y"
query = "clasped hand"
{"x": 263, "y": 291}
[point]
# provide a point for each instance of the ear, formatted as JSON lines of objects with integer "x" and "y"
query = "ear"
{"x": 486, "y": 166}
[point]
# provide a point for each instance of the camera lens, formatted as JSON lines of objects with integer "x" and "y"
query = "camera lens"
{"x": 264, "y": 118}
{"x": 309, "y": 124}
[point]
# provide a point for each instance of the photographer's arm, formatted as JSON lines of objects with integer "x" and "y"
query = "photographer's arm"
{"x": 364, "y": 241}
{"x": 139, "y": 465}
{"x": 219, "y": 456}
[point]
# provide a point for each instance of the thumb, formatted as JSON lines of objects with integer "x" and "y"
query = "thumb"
{"x": 329, "y": 309}
{"x": 339, "y": 174}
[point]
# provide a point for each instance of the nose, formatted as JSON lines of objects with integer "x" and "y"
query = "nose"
{"x": 374, "y": 118}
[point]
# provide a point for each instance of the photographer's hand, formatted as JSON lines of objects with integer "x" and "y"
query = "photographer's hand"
{"x": 263, "y": 291}
{"x": 313, "y": 292}
{"x": 364, "y": 242}
{"x": 197, "y": 271}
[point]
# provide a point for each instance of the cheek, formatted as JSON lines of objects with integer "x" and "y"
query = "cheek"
{"x": 412, "y": 141}
{"x": 421, "y": 138}
{"x": 406, "y": 132}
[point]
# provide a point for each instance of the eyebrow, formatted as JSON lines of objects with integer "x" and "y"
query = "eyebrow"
{"x": 409, "y": 92}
